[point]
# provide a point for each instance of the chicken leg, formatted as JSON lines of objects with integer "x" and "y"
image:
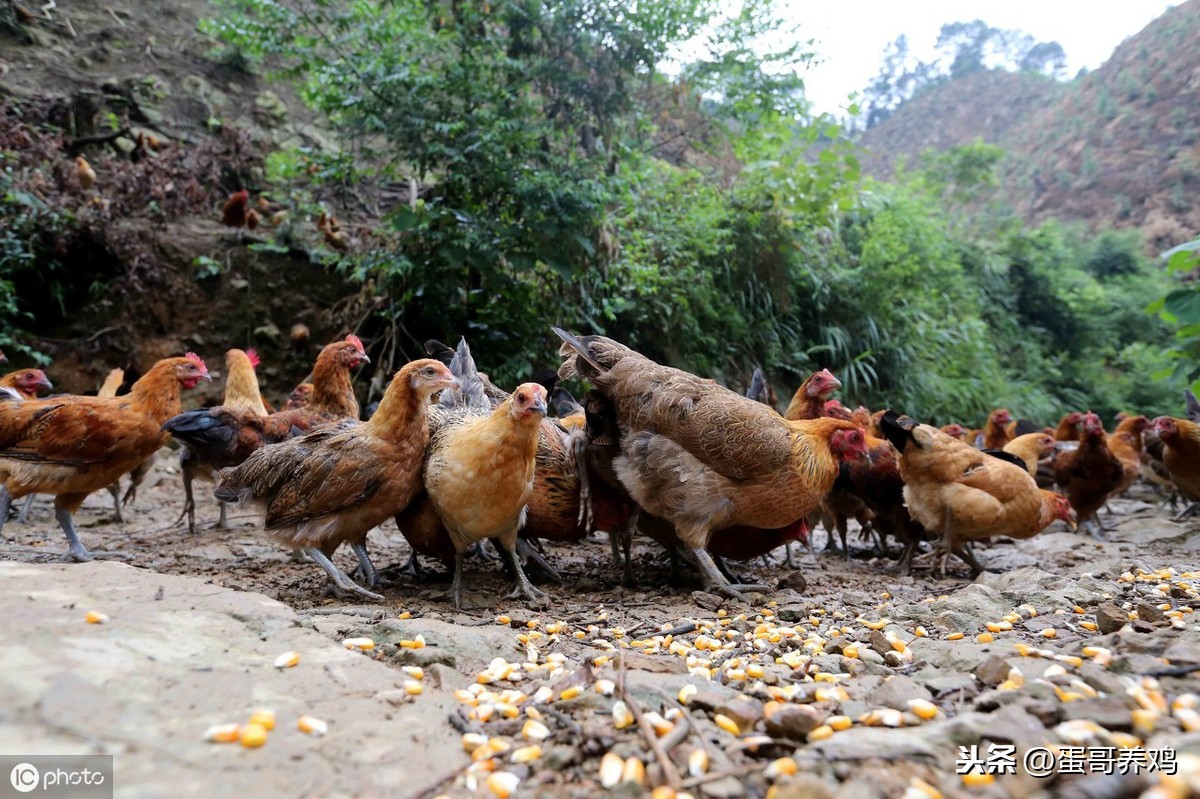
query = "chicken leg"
{"x": 366, "y": 569}
{"x": 340, "y": 580}
{"x": 524, "y": 587}
{"x": 715, "y": 581}
{"x": 115, "y": 490}
{"x": 76, "y": 550}
{"x": 26, "y": 506}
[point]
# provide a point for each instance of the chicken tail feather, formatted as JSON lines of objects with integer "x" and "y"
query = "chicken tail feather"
{"x": 576, "y": 349}
{"x": 758, "y": 390}
{"x": 10, "y": 395}
{"x": 472, "y": 391}
{"x": 896, "y": 429}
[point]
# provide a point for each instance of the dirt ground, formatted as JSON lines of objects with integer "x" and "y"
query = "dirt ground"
{"x": 788, "y": 668}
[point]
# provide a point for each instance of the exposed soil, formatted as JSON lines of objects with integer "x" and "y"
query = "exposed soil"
{"x": 593, "y": 629}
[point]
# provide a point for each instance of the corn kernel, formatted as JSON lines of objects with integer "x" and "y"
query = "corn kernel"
{"x": 287, "y": 660}
{"x": 1144, "y": 721}
{"x": 1079, "y": 610}
{"x": 783, "y": 767}
{"x": 634, "y": 771}
{"x": 605, "y": 687}
{"x": 416, "y": 672}
{"x": 405, "y": 615}
{"x": 954, "y": 637}
{"x": 264, "y": 718}
{"x": 923, "y": 708}
{"x": 698, "y": 763}
{"x": 920, "y": 632}
{"x": 622, "y": 715}
{"x": 755, "y": 671}
{"x": 95, "y": 617}
{"x": 729, "y": 725}
{"x": 612, "y": 766}
{"x": 821, "y": 733}
{"x": 571, "y": 692}
{"x": 839, "y": 722}
{"x": 361, "y": 644}
{"x": 253, "y": 736}
{"x": 976, "y": 779}
{"x": 473, "y": 740}
{"x": 984, "y": 638}
{"x": 223, "y": 733}
{"x": 1049, "y": 632}
{"x": 686, "y": 693}
{"x": 415, "y": 643}
{"x": 311, "y": 725}
{"x": 502, "y": 784}
{"x": 413, "y": 688}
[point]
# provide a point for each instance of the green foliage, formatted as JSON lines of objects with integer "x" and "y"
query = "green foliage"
{"x": 1179, "y": 307}
{"x": 26, "y": 253}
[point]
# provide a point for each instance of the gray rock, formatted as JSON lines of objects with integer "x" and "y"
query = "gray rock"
{"x": 978, "y": 602}
{"x": 793, "y": 582}
{"x": 747, "y": 712}
{"x": 710, "y": 696}
{"x": 1110, "y": 712}
{"x": 794, "y": 722}
{"x": 1149, "y": 613}
{"x": 1110, "y": 618}
{"x": 871, "y": 742}
{"x": 897, "y": 690}
{"x": 806, "y": 786}
{"x": 724, "y": 788}
{"x": 993, "y": 671}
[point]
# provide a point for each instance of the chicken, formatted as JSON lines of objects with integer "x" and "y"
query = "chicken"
{"x": 1068, "y": 427}
{"x": 961, "y": 494}
{"x": 71, "y": 446}
{"x": 703, "y": 457}
{"x": 1031, "y": 448}
{"x": 298, "y": 336}
{"x": 26, "y": 382}
{"x": 1181, "y": 454}
{"x": 1126, "y": 444}
{"x": 877, "y": 482}
{"x": 233, "y": 213}
{"x": 760, "y": 390}
{"x": 242, "y": 395}
{"x": 1089, "y": 473}
{"x": 479, "y": 477}
{"x": 809, "y": 400}
{"x": 567, "y": 410}
{"x": 84, "y": 173}
{"x": 225, "y": 436}
{"x": 995, "y": 436}
{"x": 109, "y": 388}
{"x": 334, "y": 485}
{"x": 956, "y": 431}
{"x": 299, "y": 397}
{"x": 112, "y": 383}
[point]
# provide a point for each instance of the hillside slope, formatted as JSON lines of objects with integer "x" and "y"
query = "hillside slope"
{"x": 1118, "y": 147}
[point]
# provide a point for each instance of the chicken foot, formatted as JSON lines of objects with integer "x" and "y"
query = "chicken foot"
{"x": 114, "y": 489}
{"x": 26, "y": 506}
{"x": 715, "y": 581}
{"x": 1188, "y": 512}
{"x": 527, "y": 551}
{"x": 524, "y": 587}
{"x": 366, "y": 570}
{"x": 76, "y": 550}
{"x": 340, "y": 580}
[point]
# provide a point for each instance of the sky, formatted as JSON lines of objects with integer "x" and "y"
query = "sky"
{"x": 852, "y": 34}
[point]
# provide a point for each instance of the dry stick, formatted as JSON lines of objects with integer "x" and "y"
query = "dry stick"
{"x": 664, "y": 760}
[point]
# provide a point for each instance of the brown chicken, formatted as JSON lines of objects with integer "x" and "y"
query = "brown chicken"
{"x": 960, "y": 494}
{"x": 1126, "y": 443}
{"x": 809, "y": 400}
{"x": 1181, "y": 454}
{"x": 225, "y": 436}
{"x": 84, "y": 173}
{"x": 71, "y": 446}
{"x": 109, "y": 388}
{"x": 702, "y": 456}
{"x": 956, "y": 431}
{"x": 1089, "y": 473}
{"x": 242, "y": 394}
{"x": 112, "y": 383}
{"x": 479, "y": 477}
{"x": 334, "y": 485}
{"x": 995, "y": 434}
{"x": 1031, "y": 448}
{"x": 299, "y": 397}
{"x": 1068, "y": 427}
{"x": 233, "y": 213}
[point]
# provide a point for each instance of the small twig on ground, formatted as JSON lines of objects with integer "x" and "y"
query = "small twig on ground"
{"x": 682, "y": 629}
{"x": 670, "y": 772}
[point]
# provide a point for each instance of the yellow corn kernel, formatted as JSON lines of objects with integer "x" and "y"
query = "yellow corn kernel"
{"x": 984, "y": 638}
{"x": 502, "y": 784}
{"x": 222, "y": 733}
{"x": 526, "y": 754}
{"x": 1125, "y": 741}
{"x": 622, "y": 715}
{"x": 413, "y": 688}
{"x": 920, "y": 632}
{"x": 976, "y": 779}
{"x": 361, "y": 644}
{"x": 415, "y": 643}
{"x": 405, "y": 615}
{"x": 253, "y": 736}
{"x": 1079, "y": 610}
{"x": 875, "y": 625}
{"x": 923, "y": 708}
{"x": 287, "y": 660}
{"x": 698, "y": 763}
{"x": 783, "y": 767}
{"x": 471, "y": 741}
{"x": 311, "y": 725}
{"x": 1049, "y": 632}
{"x": 851, "y": 651}
{"x": 994, "y": 627}
{"x": 612, "y": 766}
{"x": 821, "y": 733}
{"x": 416, "y": 672}
{"x": 605, "y": 687}
{"x": 686, "y": 693}
{"x": 1090, "y": 626}
{"x": 839, "y": 722}
{"x": 95, "y": 617}
{"x": 1186, "y": 701}
{"x": 1070, "y": 660}
{"x": 600, "y": 660}
{"x": 1189, "y": 719}
{"x": 264, "y": 718}
{"x": 919, "y": 789}
{"x": 755, "y": 671}
{"x": 729, "y": 725}
{"x": 1144, "y": 721}
{"x": 657, "y": 723}
{"x": 954, "y": 637}
{"x": 634, "y": 771}
{"x": 571, "y": 692}
{"x": 535, "y": 731}
{"x": 483, "y": 712}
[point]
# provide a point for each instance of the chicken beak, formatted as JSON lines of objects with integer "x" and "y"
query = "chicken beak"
{"x": 538, "y": 406}
{"x": 45, "y": 383}
{"x": 1072, "y": 522}
{"x": 451, "y": 384}
{"x": 206, "y": 376}
{"x": 362, "y": 358}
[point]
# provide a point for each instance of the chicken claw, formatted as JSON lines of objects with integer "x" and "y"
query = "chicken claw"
{"x": 715, "y": 581}
{"x": 524, "y": 587}
{"x": 76, "y": 551}
{"x": 340, "y": 580}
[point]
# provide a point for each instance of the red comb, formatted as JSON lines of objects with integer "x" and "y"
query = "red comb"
{"x": 253, "y": 357}
{"x": 356, "y": 341}
{"x": 196, "y": 359}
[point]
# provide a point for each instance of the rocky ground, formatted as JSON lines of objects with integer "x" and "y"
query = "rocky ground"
{"x": 847, "y": 680}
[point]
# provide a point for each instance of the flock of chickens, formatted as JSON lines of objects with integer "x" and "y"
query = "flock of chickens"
{"x": 651, "y": 449}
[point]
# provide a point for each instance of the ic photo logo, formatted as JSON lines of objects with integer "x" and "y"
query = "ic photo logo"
{"x": 24, "y": 777}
